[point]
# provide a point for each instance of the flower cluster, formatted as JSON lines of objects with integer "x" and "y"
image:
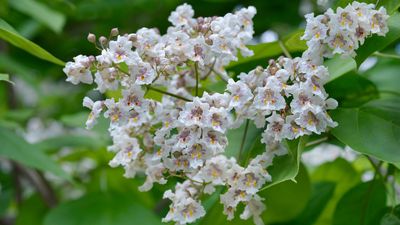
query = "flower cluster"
{"x": 184, "y": 134}
{"x": 343, "y": 31}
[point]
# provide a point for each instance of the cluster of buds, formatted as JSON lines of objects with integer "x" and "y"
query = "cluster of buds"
{"x": 185, "y": 134}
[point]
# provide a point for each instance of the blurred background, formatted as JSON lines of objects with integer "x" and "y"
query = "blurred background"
{"x": 58, "y": 173}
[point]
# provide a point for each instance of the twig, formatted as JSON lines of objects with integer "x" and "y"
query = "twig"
{"x": 220, "y": 76}
{"x": 40, "y": 183}
{"x": 284, "y": 49}
{"x": 196, "y": 71}
{"x": 316, "y": 141}
{"x": 243, "y": 139}
{"x": 385, "y": 55}
{"x": 168, "y": 93}
{"x": 211, "y": 69}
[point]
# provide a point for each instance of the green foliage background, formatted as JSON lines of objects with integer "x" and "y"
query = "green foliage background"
{"x": 37, "y": 36}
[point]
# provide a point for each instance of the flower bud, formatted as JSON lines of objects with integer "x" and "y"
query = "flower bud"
{"x": 114, "y": 32}
{"x": 91, "y": 38}
{"x": 103, "y": 40}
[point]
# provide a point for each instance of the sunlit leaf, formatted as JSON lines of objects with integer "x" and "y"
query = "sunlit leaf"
{"x": 11, "y": 36}
{"x": 266, "y": 50}
{"x": 5, "y": 77}
{"x": 339, "y": 66}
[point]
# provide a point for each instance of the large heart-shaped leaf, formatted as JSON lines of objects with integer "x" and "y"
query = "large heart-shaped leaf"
{"x": 344, "y": 175}
{"x": 286, "y": 200}
{"x": 339, "y": 65}
{"x": 362, "y": 205}
{"x": 372, "y": 129}
{"x": 352, "y": 90}
{"x": 287, "y": 166}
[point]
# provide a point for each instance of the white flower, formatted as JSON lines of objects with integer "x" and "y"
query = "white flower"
{"x": 79, "y": 70}
{"x": 144, "y": 73}
{"x": 240, "y": 92}
{"x": 194, "y": 113}
{"x": 120, "y": 50}
{"x": 182, "y": 16}
{"x": 218, "y": 119}
{"x": 106, "y": 79}
{"x": 254, "y": 208}
{"x": 115, "y": 111}
{"x": 275, "y": 127}
{"x": 96, "y": 107}
{"x": 128, "y": 151}
{"x": 269, "y": 96}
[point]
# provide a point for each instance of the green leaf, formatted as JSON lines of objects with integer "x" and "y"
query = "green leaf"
{"x": 109, "y": 208}
{"x": 284, "y": 202}
{"x": 235, "y": 139}
{"x": 321, "y": 193}
{"x": 385, "y": 76}
{"x": 377, "y": 43}
{"x": 286, "y": 167}
{"x": 361, "y": 205}
{"x": 5, "y": 77}
{"x": 40, "y": 12}
{"x": 10, "y": 35}
{"x": 390, "y": 219}
{"x": 344, "y": 175}
{"x": 372, "y": 129}
{"x": 16, "y": 148}
{"x": 266, "y": 50}
{"x": 288, "y": 199}
{"x": 32, "y": 211}
{"x": 71, "y": 140}
{"x": 339, "y": 65}
{"x": 352, "y": 90}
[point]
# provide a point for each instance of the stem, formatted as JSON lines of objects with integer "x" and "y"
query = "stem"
{"x": 243, "y": 139}
{"x": 375, "y": 166}
{"x": 220, "y": 76}
{"x": 40, "y": 183}
{"x": 168, "y": 93}
{"x": 121, "y": 70}
{"x": 370, "y": 189}
{"x": 316, "y": 141}
{"x": 196, "y": 71}
{"x": 385, "y": 55}
{"x": 211, "y": 69}
{"x": 284, "y": 49}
